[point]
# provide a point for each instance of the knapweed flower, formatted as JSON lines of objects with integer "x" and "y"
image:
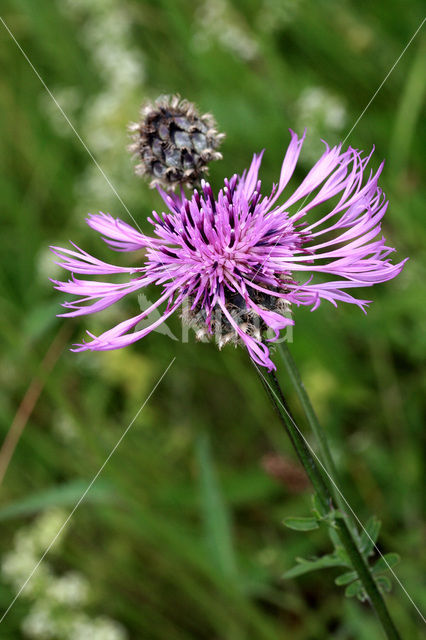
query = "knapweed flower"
{"x": 174, "y": 143}
{"x": 242, "y": 255}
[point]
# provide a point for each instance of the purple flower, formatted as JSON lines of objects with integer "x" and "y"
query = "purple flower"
{"x": 242, "y": 255}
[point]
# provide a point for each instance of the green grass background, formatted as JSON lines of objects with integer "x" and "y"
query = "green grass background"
{"x": 181, "y": 537}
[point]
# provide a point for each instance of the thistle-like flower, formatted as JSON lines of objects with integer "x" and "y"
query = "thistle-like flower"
{"x": 243, "y": 255}
{"x": 174, "y": 143}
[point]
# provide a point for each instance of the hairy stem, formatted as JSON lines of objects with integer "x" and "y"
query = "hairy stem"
{"x": 319, "y": 433}
{"x": 321, "y": 487}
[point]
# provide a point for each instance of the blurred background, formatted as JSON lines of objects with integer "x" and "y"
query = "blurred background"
{"x": 181, "y": 536}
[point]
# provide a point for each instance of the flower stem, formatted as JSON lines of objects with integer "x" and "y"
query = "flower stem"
{"x": 320, "y": 485}
{"x": 319, "y": 433}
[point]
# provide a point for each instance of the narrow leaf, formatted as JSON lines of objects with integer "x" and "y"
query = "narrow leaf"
{"x": 343, "y": 557}
{"x": 64, "y": 495}
{"x": 334, "y": 538}
{"x": 362, "y": 595}
{"x": 301, "y": 524}
{"x": 217, "y": 521}
{"x": 318, "y": 507}
{"x": 306, "y": 566}
{"x": 353, "y": 589}
{"x": 345, "y": 578}
{"x": 370, "y": 535}
{"x": 386, "y": 562}
{"x": 384, "y": 583}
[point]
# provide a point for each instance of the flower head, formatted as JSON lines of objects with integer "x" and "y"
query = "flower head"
{"x": 174, "y": 143}
{"x": 243, "y": 256}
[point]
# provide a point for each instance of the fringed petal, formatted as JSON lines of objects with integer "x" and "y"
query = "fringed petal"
{"x": 80, "y": 261}
{"x": 120, "y": 236}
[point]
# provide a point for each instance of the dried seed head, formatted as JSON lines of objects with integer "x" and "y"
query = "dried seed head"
{"x": 247, "y": 319}
{"x": 174, "y": 143}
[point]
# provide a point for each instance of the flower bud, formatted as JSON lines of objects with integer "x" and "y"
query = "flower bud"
{"x": 174, "y": 143}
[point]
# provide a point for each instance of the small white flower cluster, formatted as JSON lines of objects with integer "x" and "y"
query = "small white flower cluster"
{"x": 106, "y": 36}
{"x": 322, "y": 114}
{"x": 277, "y": 14}
{"x": 65, "y": 428}
{"x": 218, "y": 21}
{"x": 56, "y": 601}
{"x": 69, "y": 98}
{"x": 40, "y": 623}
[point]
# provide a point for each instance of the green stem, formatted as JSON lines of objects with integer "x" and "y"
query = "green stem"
{"x": 320, "y": 485}
{"x": 320, "y": 436}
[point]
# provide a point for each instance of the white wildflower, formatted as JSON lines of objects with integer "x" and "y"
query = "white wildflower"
{"x": 39, "y": 623}
{"x": 218, "y": 21}
{"x": 46, "y": 528}
{"x": 101, "y": 628}
{"x": 71, "y": 589}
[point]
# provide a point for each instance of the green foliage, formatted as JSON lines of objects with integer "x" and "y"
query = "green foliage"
{"x": 301, "y": 524}
{"x": 216, "y": 516}
{"x": 369, "y": 535}
{"x": 65, "y": 495}
{"x": 306, "y": 566}
{"x": 366, "y": 544}
{"x": 345, "y": 578}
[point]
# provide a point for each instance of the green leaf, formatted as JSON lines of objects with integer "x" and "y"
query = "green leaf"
{"x": 305, "y": 566}
{"x": 339, "y": 550}
{"x": 343, "y": 557}
{"x": 386, "y": 562}
{"x": 318, "y": 507}
{"x": 370, "y": 535}
{"x": 345, "y": 578}
{"x": 353, "y": 589}
{"x": 65, "y": 495}
{"x": 217, "y": 521}
{"x": 362, "y": 595}
{"x": 334, "y": 514}
{"x": 384, "y": 584}
{"x": 334, "y": 536}
{"x": 301, "y": 524}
